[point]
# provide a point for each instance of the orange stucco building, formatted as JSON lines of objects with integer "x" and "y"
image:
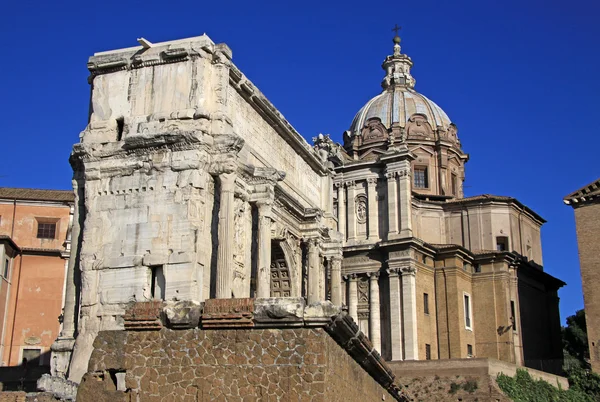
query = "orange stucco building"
{"x": 35, "y": 228}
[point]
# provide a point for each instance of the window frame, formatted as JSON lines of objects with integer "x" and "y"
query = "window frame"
{"x": 7, "y": 268}
{"x": 425, "y": 170}
{"x": 470, "y": 350}
{"x": 502, "y": 240}
{"x": 426, "y": 303}
{"x": 468, "y": 311}
{"x": 46, "y": 221}
{"x": 427, "y": 351}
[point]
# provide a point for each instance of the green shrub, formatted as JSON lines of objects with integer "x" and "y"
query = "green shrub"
{"x": 523, "y": 388}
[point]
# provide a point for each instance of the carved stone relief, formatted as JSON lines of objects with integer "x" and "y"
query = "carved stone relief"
{"x": 361, "y": 208}
{"x": 418, "y": 126}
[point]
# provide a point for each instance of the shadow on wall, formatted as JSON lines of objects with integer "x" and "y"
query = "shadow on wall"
{"x": 24, "y": 376}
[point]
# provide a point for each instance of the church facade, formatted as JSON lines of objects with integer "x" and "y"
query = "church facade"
{"x": 429, "y": 273}
{"x": 191, "y": 186}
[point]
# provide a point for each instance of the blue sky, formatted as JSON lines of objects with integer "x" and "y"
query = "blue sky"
{"x": 519, "y": 78}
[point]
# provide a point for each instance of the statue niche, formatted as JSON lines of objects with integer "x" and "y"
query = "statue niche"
{"x": 418, "y": 127}
{"x": 373, "y": 132}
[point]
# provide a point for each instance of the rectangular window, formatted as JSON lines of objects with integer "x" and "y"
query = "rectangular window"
{"x": 454, "y": 184}
{"x": 420, "y": 177}
{"x": 502, "y": 243}
{"x": 31, "y": 357}
{"x": 513, "y": 316}
{"x": 477, "y": 268}
{"x": 6, "y": 268}
{"x": 426, "y": 303}
{"x": 467, "y": 300}
{"x": 427, "y": 351}
{"x": 469, "y": 350}
{"x": 46, "y": 230}
{"x": 157, "y": 284}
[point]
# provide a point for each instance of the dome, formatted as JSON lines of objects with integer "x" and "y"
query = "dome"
{"x": 398, "y": 104}
{"x": 399, "y": 110}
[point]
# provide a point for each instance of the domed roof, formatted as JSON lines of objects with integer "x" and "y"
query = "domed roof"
{"x": 399, "y": 103}
{"x": 396, "y": 105}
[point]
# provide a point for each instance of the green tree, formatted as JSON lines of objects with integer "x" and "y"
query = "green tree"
{"x": 575, "y": 342}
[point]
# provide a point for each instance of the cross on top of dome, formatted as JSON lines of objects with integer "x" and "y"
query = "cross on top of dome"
{"x": 397, "y": 66}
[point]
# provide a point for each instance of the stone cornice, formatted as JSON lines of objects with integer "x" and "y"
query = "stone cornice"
{"x": 265, "y": 108}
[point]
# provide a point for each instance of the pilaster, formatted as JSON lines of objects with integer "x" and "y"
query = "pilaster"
{"x": 395, "y": 313}
{"x": 373, "y": 232}
{"x": 374, "y": 312}
{"x": 341, "y": 209}
{"x": 409, "y": 307}
{"x": 263, "y": 280}
{"x": 313, "y": 271}
{"x": 336, "y": 280}
{"x": 353, "y": 297}
{"x": 351, "y": 185}
{"x": 392, "y": 190}
{"x": 405, "y": 201}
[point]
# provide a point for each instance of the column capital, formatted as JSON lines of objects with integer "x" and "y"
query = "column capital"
{"x": 350, "y": 184}
{"x": 372, "y": 181}
{"x": 338, "y": 184}
{"x": 350, "y": 277}
{"x": 227, "y": 181}
{"x": 390, "y": 175}
{"x": 264, "y": 207}
{"x": 408, "y": 270}
{"x": 403, "y": 172}
{"x": 392, "y": 271}
{"x": 373, "y": 276}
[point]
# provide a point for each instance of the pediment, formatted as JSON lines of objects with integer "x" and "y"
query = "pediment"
{"x": 372, "y": 154}
{"x": 423, "y": 148}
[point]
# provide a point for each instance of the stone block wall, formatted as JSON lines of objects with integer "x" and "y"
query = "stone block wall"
{"x": 292, "y": 364}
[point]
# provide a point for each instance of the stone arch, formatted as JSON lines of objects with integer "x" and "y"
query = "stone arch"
{"x": 281, "y": 280}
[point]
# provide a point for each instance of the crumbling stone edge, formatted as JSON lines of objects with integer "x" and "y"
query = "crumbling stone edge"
{"x": 275, "y": 313}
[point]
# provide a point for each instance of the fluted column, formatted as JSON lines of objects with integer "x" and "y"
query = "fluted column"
{"x": 313, "y": 271}
{"x": 395, "y": 313}
{"x": 353, "y": 297}
{"x": 68, "y": 325}
{"x": 373, "y": 210}
{"x": 341, "y": 209}
{"x": 405, "y": 202}
{"x": 336, "y": 280}
{"x": 374, "y": 314}
{"x": 224, "y": 275}
{"x": 351, "y": 210}
{"x": 409, "y": 305}
{"x": 263, "y": 279}
{"x": 392, "y": 190}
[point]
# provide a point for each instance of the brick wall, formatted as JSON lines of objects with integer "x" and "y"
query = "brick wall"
{"x": 587, "y": 218}
{"x": 295, "y": 364}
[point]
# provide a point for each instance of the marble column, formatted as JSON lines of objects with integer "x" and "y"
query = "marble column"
{"x": 392, "y": 191}
{"x": 409, "y": 307}
{"x": 224, "y": 277}
{"x": 336, "y": 280}
{"x": 353, "y": 297}
{"x": 68, "y": 325}
{"x": 322, "y": 278}
{"x": 263, "y": 276}
{"x": 351, "y": 210}
{"x": 374, "y": 314}
{"x": 395, "y": 313}
{"x": 373, "y": 210}
{"x": 405, "y": 202}
{"x": 341, "y": 209}
{"x": 313, "y": 271}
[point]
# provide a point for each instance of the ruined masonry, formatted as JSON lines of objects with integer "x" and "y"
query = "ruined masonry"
{"x": 210, "y": 238}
